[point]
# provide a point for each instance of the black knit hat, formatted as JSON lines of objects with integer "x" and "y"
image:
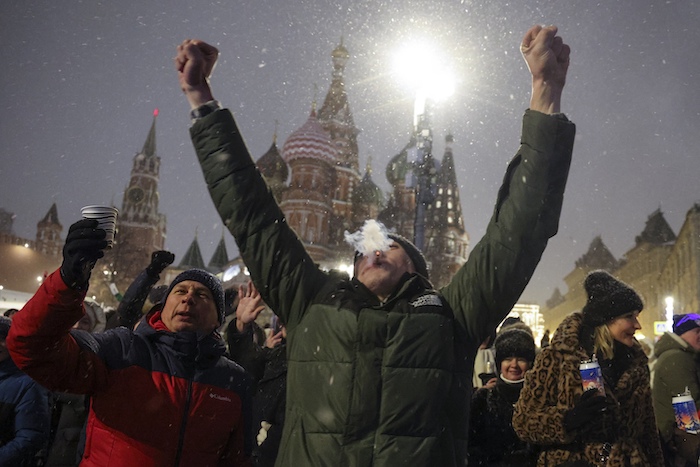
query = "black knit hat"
{"x": 208, "y": 280}
{"x": 514, "y": 342}
{"x": 608, "y": 298}
{"x": 413, "y": 252}
{"x": 685, "y": 323}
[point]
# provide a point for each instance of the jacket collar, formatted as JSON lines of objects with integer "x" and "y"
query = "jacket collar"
{"x": 187, "y": 345}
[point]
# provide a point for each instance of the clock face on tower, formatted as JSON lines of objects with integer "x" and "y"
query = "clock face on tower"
{"x": 135, "y": 195}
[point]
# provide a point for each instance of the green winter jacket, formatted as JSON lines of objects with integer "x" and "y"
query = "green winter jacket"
{"x": 385, "y": 384}
{"x": 675, "y": 368}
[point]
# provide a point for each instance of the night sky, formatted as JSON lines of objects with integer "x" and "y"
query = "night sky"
{"x": 80, "y": 81}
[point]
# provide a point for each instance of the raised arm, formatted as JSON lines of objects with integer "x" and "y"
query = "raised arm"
{"x": 46, "y": 320}
{"x": 528, "y": 206}
{"x": 285, "y": 274}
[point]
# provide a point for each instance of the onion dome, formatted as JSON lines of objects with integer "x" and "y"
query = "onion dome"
{"x": 272, "y": 166}
{"x": 367, "y": 191}
{"x": 310, "y": 141}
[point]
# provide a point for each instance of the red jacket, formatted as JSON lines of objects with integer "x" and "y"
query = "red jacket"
{"x": 157, "y": 398}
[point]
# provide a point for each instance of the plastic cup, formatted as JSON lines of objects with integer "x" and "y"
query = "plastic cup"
{"x": 106, "y": 217}
{"x": 686, "y": 413}
{"x": 592, "y": 376}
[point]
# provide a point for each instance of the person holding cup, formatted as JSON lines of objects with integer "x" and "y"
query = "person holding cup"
{"x": 162, "y": 394}
{"x": 574, "y": 426}
{"x": 677, "y": 370}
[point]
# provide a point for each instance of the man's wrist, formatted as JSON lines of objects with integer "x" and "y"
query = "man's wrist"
{"x": 546, "y": 97}
{"x": 205, "y": 109}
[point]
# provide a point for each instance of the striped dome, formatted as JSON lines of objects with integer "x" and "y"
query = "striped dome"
{"x": 310, "y": 141}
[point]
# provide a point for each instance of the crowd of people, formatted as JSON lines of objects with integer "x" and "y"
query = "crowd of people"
{"x": 377, "y": 369}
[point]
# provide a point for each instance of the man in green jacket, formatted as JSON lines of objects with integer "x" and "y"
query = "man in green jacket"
{"x": 380, "y": 365}
{"x": 676, "y": 369}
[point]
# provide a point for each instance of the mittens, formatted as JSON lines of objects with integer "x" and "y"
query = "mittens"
{"x": 83, "y": 247}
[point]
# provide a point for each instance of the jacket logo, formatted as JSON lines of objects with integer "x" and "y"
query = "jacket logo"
{"x": 218, "y": 397}
{"x": 426, "y": 300}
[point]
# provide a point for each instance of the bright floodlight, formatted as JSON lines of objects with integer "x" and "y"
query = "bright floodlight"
{"x": 423, "y": 68}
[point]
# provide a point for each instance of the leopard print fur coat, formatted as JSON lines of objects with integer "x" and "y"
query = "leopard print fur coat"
{"x": 551, "y": 389}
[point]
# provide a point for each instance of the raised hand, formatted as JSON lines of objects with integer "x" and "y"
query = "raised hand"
{"x": 547, "y": 58}
{"x": 84, "y": 246}
{"x": 250, "y": 305}
{"x": 194, "y": 63}
{"x": 160, "y": 260}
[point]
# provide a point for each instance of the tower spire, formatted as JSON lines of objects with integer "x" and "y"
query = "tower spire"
{"x": 149, "y": 147}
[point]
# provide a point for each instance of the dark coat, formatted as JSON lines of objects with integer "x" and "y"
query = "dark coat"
{"x": 492, "y": 440}
{"x": 25, "y": 420}
{"x": 553, "y": 386}
{"x": 188, "y": 404}
{"x": 385, "y": 383}
{"x": 268, "y": 367}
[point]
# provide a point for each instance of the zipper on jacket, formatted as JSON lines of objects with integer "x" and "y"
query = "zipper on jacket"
{"x": 183, "y": 425}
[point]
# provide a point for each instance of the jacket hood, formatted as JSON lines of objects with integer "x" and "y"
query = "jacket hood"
{"x": 669, "y": 341}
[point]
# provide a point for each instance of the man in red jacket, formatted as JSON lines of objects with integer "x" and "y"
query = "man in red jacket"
{"x": 163, "y": 394}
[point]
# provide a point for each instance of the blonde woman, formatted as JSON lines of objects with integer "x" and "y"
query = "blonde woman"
{"x": 580, "y": 429}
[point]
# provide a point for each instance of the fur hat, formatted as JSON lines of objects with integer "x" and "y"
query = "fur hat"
{"x": 608, "y": 298}
{"x": 5, "y": 323}
{"x": 514, "y": 342}
{"x": 685, "y": 323}
{"x": 208, "y": 280}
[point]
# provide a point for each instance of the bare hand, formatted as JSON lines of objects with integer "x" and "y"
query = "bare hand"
{"x": 274, "y": 339}
{"x": 547, "y": 58}
{"x": 491, "y": 383}
{"x": 250, "y": 305}
{"x": 194, "y": 63}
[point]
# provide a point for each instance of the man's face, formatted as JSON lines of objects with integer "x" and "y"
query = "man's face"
{"x": 190, "y": 306}
{"x": 692, "y": 337}
{"x": 382, "y": 270}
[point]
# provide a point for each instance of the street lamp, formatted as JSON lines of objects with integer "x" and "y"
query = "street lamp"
{"x": 669, "y": 313}
{"x": 425, "y": 70}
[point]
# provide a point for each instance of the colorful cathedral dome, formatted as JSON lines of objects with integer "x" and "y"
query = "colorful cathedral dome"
{"x": 310, "y": 141}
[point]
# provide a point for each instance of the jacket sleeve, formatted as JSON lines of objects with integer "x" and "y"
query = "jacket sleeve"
{"x": 32, "y": 425}
{"x": 129, "y": 311}
{"x": 40, "y": 343}
{"x": 279, "y": 265}
{"x": 538, "y": 416}
{"x": 245, "y": 352}
{"x": 525, "y": 216}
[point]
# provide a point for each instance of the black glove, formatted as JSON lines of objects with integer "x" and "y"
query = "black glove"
{"x": 160, "y": 260}
{"x": 588, "y": 409}
{"x": 84, "y": 245}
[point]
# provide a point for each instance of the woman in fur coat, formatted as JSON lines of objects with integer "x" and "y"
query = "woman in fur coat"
{"x": 577, "y": 428}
